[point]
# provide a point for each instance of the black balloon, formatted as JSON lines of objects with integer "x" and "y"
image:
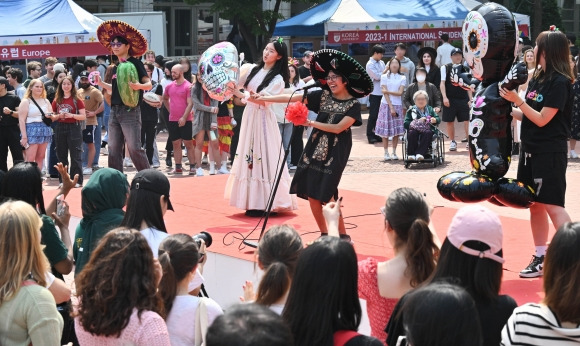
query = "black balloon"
{"x": 514, "y": 193}
{"x": 473, "y": 188}
{"x": 445, "y": 184}
{"x": 489, "y": 44}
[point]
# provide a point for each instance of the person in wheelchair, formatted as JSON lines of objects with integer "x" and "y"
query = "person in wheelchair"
{"x": 419, "y": 123}
{"x": 421, "y": 83}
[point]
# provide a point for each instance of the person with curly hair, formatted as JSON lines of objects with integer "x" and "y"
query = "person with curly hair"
{"x": 118, "y": 304}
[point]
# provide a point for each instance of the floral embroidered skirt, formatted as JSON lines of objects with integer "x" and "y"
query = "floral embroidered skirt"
{"x": 387, "y": 125}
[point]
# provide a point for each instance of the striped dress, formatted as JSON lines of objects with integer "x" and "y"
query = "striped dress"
{"x": 536, "y": 324}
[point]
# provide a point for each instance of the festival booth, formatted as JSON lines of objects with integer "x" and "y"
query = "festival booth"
{"x": 57, "y": 28}
{"x": 367, "y": 21}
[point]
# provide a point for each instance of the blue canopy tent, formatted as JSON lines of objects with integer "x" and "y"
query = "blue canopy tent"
{"x": 369, "y": 15}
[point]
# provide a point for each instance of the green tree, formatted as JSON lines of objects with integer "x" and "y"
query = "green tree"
{"x": 543, "y": 13}
{"x": 255, "y": 24}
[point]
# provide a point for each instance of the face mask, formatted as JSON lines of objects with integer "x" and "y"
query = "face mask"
{"x": 420, "y": 78}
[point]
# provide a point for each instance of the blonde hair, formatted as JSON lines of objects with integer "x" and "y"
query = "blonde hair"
{"x": 28, "y": 94}
{"x": 22, "y": 256}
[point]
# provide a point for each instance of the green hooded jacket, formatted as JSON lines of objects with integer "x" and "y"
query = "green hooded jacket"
{"x": 102, "y": 199}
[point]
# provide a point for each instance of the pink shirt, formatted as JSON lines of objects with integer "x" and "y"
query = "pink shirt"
{"x": 148, "y": 330}
{"x": 178, "y": 96}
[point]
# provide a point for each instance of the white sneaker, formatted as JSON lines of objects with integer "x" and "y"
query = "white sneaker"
{"x": 411, "y": 157}
{"x": 223, "y": 170}
{"x": 199, "y": 172}
{"x": 127, "y": 162}
{"x": 573, "y": 154}
{"x": 78, "y": 185}
{"x": 211, "y": 168}
{"x": 419, "y": 157}
{"x": 87, "y": 171}
{"x": 394, "y": 157}
{"x": 387, "y": 157}
{"x": 156, "y": 165}
{"x": 452, "y": 146}
{"x": 204, "y": 159}
{"x": 104, "y": 151}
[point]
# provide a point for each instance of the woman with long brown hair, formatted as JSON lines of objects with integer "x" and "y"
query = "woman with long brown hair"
{"x": 28, "y": 310}
{"x": 546, "y": 115}
{"x": 69, "y": 112}
{"x": 118, "y": 304}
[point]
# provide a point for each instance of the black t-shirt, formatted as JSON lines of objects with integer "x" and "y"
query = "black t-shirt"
{"x": 452, "y": 91}
{"x": 12, "y": 102}
{"x": 303, "y": 72}
{"x": 363, "y": 340}
{"x": 148, "y": 113}
{"x": 552, "y": 138}
{"x": 492, "y": 317}
{"x": 115, "y": 97}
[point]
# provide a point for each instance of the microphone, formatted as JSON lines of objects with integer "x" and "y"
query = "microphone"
{"x": 315, "y": 85}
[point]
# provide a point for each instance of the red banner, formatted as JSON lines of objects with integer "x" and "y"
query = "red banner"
{"x": 41, "y": 51}
{"x": 406, "y": 35}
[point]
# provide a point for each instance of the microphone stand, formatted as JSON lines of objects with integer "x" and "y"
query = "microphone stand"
{"x": 275, "y": 188}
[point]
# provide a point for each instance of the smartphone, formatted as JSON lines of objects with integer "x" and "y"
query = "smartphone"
{"x": 60, "y": 205}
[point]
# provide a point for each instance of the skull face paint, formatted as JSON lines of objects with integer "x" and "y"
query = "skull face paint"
{"x": 475, "y": 41}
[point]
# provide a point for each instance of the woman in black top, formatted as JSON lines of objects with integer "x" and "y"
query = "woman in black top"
{"x": 546, "y": 115}
{"x": 326, "y": 153}
{"x": 427, "y": 57}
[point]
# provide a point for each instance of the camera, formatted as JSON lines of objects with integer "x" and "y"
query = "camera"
{"x": 206, "y": 238}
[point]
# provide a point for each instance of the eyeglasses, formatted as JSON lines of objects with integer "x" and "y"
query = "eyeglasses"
{"x": 332, "y": 78}
{"x": 116, "y": 44}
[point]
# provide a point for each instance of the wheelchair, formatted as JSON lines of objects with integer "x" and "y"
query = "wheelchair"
{"x": 435, "y": 154}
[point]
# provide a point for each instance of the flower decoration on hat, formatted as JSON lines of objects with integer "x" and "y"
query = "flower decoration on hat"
{"x": 292, "y": 61}
{"x": 110, "y": 29}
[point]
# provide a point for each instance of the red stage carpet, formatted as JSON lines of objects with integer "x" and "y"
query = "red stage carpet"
{"x": 200, "y": 206}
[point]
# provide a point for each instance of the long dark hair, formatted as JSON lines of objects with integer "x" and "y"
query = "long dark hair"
{"x": 144, "y": 205}
{"x": 280, "y": 67}
{"x": 296, "y": 79}
{"x": 422, "y": 64}
{"x": 198, "y": 90}
{"x": 278, "y": 252}
{"x": 481, "y": 277}
{"x": 23, "y": 182}
{"x": 178, "y": 256}
{"x": 553, "y": 45}
{"x": 60, "y": 93}
{"x": 441, "y": 314}
{"x": 560, "y": 273}
{"x": 407, "y": 213}
{"x": 119, "y": 278}
{"x": 323, "y": 297}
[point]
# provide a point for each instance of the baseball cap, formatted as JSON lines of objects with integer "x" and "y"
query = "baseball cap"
{"x": 476, "y": 222}
{"x": 154, "y": 181}
{"x": 84, "y": 74}
{"x": 307, "y": 53}
{"x": 456, "y": 51}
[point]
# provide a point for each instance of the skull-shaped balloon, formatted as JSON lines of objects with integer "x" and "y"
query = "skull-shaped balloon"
{"x": 218, "y": 70}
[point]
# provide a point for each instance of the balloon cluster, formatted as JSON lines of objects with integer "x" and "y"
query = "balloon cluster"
{"x": 219, "y": 70}
{"x": 489, "y": 46}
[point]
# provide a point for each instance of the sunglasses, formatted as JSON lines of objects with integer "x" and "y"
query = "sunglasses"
{"x": 116, "y": 44}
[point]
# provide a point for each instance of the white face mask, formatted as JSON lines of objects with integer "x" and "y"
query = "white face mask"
{"x": 420, "y": 78}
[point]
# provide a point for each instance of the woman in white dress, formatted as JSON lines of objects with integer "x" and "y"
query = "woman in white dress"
{"x": 259, "y": 153}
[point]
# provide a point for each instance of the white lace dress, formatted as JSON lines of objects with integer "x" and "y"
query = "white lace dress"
{"x": 259, "y": 154}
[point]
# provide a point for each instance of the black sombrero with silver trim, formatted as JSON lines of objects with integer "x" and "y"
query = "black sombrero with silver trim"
{"x": 360, "y": 83}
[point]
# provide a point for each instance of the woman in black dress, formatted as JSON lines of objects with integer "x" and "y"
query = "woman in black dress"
{"x": 328, "y": 148}
{"x": 427, "y": 57}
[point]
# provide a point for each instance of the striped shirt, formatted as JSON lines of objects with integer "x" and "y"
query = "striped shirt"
{"x": 536, "y": 324}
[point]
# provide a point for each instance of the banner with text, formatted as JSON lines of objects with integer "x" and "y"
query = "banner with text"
{"x": 405, "y": 35}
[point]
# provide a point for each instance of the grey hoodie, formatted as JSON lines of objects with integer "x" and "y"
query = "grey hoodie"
{"x": 408, "y": 69}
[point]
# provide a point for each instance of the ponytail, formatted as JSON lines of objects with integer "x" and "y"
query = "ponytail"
{"x": 274, "y": 284}
{"x": 421, "y": 252}
{"x": 168, "y": 286}
{"x": 178, "y": 256}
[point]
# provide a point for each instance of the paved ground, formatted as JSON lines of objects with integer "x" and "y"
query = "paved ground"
{"x": 368, "y": 172}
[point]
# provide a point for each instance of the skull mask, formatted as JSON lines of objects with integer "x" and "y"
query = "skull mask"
{"x": 218, "y": 70}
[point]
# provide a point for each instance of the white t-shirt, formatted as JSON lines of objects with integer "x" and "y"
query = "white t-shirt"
{"x": 154, "y": 238}
{"x": 181, "y": 319}
{"x": 393, "y": 82}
